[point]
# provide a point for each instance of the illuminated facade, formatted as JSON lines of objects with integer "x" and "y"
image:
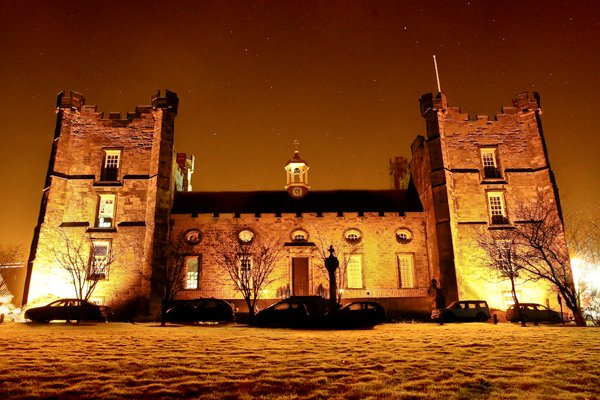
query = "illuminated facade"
{"x": 121, "y": 183}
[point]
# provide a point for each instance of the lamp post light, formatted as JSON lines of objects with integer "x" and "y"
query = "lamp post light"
{"x": 332, "y": 264}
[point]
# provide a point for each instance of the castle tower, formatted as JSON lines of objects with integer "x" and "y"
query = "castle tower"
{"x": 470, "y": 174}
{"x": 110, "y": 182}
{"x": 297, "y": 176}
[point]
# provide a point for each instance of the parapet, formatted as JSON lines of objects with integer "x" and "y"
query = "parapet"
{"x": 428, "y": 102}
{"x": 74, "y": 101}
{"x": 170, "y": 101}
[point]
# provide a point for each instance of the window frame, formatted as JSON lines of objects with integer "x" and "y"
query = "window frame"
{"x": 497, "y": 219}
{"x": 403, "y": 231}
{"x": 357, "y": 280}
{"x": 93, "y": 271}
{"x": 353, "y": 232}
{"x": 108, "y": 172}
{"x": 409, "y": 273}
{"x": 198, "y": 272}
{"x": 490, "y": 171}
{"x": 99, "y": 211}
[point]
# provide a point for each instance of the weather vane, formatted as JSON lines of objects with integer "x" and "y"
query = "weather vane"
{"x": 296, "y": 144}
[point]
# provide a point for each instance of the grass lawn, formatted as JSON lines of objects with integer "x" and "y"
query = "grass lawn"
{"x": 391, "y": 361}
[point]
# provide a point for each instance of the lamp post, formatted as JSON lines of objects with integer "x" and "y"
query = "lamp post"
{"x": 332, "y": 264}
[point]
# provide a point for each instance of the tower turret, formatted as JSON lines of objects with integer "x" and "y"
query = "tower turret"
{"x": 297, "y": 175}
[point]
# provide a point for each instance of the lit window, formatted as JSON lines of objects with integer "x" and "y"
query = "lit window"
{"x": 406, "y": 270}
{"x": 299, "y": 236}
{"x": 497, "y": 208}
{"x": 98, "y": 263}
{"x": 354, "y": 272}
{"x": 509, "y": 300}
{"x": 192, "y": 272}
{"x": 106, "y": 211}
{"x": 110, "y": 167}
{"x": 403, "y": 235}
{"x": 353, "y": 236}
{"x": 245, "y": 271}
{"x": 490, "y": 164}
{"x": 246, "y": 236}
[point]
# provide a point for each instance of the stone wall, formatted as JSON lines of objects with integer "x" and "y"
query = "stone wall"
{"x": 143, "y": 195}
{"x": 378, "y": 248}
{"x": 462, "y": 206}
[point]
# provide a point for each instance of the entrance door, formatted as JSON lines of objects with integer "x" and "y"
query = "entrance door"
{"x": 300, "y": 276}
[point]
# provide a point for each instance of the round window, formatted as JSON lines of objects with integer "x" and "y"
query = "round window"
{"x": 403, "y": 235}
{"x": 353, "y": 236}
{"x": 246, "y": 236}
{"x": 192, "y": 236}
{"x": 299, "y": 236}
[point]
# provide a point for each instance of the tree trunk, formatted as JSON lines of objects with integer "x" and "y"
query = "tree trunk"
{"x": 250, "y": 310}
{"x": 579, "y": 320}
{"x": 517, "y": 306}
{"x": 163, "y": 313}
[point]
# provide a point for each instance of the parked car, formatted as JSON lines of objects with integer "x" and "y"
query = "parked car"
{"x": 590, "y": 313}
{"x": 202, "y": 310}
{"x": 357, "y": 314}
{"x": 465, "y": 311}
{"x": 532, "y": 312}
{"x": 290, "y": 312}
{"x": 68, "y": 310}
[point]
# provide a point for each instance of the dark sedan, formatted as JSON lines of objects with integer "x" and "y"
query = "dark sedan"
{"x": 358, "y": 314}
{"x": 69, "y": 310}
{"x": 532, "y": 312}
{"x": 202, "y": 310}
{"x": 288, "y": 313}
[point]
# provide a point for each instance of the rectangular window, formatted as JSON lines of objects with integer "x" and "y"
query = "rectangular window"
{"x": 106, "y": 211}
{"x": 98, "y": 263}
{"x": 192, "y": 272}
{"x": 245, "y": 271}
{"x": 354, "y": 272}
{"x": 406, "y": 270}
{"x": 508, "y": 299}
{"x": 490, "y": 163}
{"x": 110, "y": 167}
{"x": 497, "y": 208}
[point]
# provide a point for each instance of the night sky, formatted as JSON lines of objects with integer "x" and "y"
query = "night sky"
{"x": 344, "y": 78}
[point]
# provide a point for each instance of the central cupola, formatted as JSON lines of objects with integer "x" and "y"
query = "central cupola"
{"x": 297, "y": 175}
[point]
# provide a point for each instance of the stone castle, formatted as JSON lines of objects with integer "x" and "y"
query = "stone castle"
{"x": 120, "y": 182}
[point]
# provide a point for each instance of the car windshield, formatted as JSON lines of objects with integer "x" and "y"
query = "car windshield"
{"x": 455, "y": 304}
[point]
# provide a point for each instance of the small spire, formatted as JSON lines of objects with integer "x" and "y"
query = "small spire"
{"x": 296, "y": 144}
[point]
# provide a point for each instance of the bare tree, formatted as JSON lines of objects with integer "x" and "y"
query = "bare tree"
{"x": 87, "y": 260}
{"x": 168, "y": 274}
{"x": 540, "y": 249}
{"x": 10, "y": 258}
{"x": 248, "y": 258}
{"x": 500, "y": 256}
{"x": 582, "y": 232}
{"x": 343, "y": 252}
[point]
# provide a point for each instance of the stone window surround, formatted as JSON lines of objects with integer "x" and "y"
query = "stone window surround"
{"x": 101, "y": 213}
{"x": 96, "y": 259}
{"x": 409, "y": 272}
{"x": 496, "y": 204}
{"x": 489, "y": 162}
{"x": 195, "y": 278}
{"x": 109, "y": 161}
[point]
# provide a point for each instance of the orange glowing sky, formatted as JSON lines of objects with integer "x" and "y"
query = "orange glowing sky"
{"x": 342, "y": 77}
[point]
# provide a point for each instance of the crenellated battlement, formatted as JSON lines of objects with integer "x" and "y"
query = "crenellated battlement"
{"x": 76, "y": 102}
{"x": 522, "y": 103}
